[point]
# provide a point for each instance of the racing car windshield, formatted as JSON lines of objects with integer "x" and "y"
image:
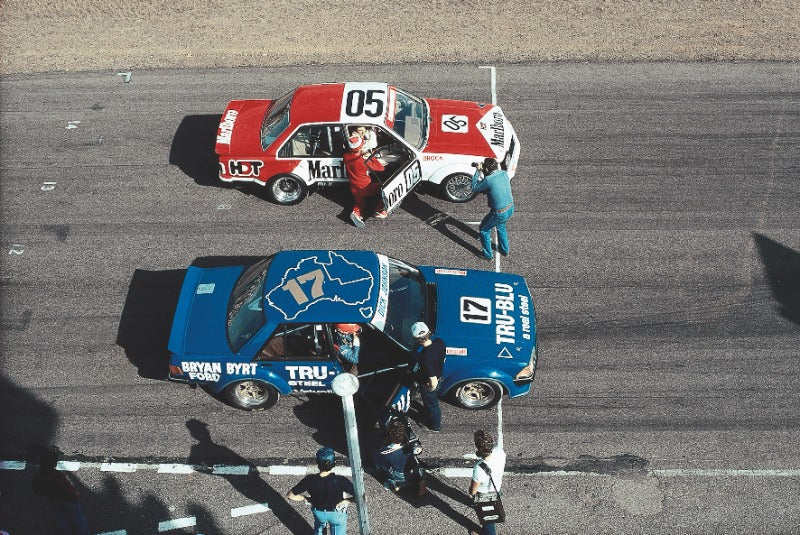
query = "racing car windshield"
{"x": 406, "y": 302}
{"x": 411, "y": 119}
{"x": 245, "y": 309}
{"x": 275, "y": 120}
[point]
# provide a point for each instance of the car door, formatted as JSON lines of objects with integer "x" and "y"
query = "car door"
{"x": 300, "y": 354}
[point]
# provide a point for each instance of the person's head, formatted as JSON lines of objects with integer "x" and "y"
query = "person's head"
{"x": 489, "y": 166}
{"x": 347, "y": 328}
{"x": 484, "y": 443}
{"x": 396, "y": 432}
{"x": 361, "y": 131}
{"x": 355, "y": 142}
{"x": 326, "y": 459}
{"x": 420, "y": 331}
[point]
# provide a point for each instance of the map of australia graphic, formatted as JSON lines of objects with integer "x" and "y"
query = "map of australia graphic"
{"x": 320, "y": 280}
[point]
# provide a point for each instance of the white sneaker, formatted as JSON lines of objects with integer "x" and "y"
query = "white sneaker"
{"x": 357, "y": 220}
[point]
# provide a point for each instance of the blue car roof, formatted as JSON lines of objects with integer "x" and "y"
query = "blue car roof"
{"x": 318, "y": 286}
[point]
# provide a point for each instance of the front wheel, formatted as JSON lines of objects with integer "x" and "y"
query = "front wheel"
{"x": 252, "y": 395}
{"x": 478, "y": 394}
{"x": 286, "y": 189}
{"x": 458, "y": 188}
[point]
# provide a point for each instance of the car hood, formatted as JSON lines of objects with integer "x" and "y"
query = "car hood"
{"x": 468, "y": 128}
{"x": 200, "y": 317}
{"x": 239, "y": 130}
{"x": 483, "y": 314}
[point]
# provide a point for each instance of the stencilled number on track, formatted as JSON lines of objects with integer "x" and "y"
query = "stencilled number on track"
{"x": 293, "y": 286}
{"x": 476, "y": 310}
{"x": 360, "y": 102}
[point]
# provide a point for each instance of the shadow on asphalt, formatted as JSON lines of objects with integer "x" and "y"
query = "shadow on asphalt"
{"x": 782, "y": 269}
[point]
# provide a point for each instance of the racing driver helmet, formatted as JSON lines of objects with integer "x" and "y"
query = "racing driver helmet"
{"x": 348, "y": 328}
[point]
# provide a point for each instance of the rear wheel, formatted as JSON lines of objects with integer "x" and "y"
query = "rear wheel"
{"x": 286, "y": 189}
{"x": 458, "y": 188}
{"x": 478, "y": 394}
{"x": 251, "y": 395}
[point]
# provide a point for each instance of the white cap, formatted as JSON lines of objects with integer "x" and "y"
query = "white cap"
{"x": 419, "y": 329}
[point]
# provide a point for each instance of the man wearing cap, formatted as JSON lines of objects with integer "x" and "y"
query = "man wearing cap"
{"x": 329, "y": 494}
{"x": 497, "y": 185}
{"x": 430, "y": 357}
{"x": 347, "y": 344}
{"x": 361, "y": 185}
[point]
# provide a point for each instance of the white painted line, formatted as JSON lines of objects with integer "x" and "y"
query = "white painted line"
{"x": 221, "y": 469}
{"x": 456, "y": 472}
{"x": 12, "y": 465}
{"x": 178, "y": 523}
{"x": 723, "y": 472}
{"x": 287, "y": 470}
{"x": 493, "y": 72}
{"x": 118, "y": 467}
{"x": 250, "y": 509}
{"x": 118, "y": 532}
{"x": 175, "y": 468}
{"x": 343, "y": 471}
{"x": 68, "y": 466}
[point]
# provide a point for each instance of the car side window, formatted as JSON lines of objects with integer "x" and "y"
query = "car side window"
{"x": 295, "y": 342}
{"x": 315, "y": 141}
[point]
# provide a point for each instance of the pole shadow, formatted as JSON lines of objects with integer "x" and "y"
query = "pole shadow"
{"x": 205, "y": 453}
{"x": 447, "y": 225}
{"x": 782, "y": 269}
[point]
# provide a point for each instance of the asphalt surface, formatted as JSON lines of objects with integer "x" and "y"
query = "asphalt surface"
{"x": 658, "y": 210}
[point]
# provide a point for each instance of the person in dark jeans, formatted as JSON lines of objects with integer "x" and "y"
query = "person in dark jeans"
{"x": 329, "y": 494}
{"x": 62, "y": 495}
{"x": 430, "y": 358}
{"x": 497, "y": 185}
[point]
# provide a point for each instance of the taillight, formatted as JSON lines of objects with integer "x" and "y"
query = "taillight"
{"x": 175, "y": 370}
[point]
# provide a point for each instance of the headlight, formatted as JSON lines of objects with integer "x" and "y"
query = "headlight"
{"x": 527, "y": 373}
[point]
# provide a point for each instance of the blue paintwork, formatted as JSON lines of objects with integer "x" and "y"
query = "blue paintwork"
{"x": 486, "y": 319}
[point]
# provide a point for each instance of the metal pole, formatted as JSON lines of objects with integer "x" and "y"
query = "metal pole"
{"x": 345, "y": 385}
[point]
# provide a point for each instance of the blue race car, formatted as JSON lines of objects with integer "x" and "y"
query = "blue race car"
{"x": 254, "y": 332}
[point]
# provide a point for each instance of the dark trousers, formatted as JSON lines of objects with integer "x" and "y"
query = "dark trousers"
{"x": 431, "y": 402}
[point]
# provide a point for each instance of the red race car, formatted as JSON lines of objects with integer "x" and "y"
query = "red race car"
{"x": 297, "y": 141}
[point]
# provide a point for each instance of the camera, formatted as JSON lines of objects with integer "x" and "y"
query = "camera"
{"x": 476, "y": 165}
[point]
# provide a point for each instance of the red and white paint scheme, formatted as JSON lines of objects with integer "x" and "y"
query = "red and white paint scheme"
{"x": 297, "y": 141}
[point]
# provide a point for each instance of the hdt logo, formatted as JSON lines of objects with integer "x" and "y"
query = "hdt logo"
{"x": 244, "y": 168}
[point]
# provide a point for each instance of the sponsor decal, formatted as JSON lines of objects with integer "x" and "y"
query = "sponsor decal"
{"x": 402, "y": 185}
{"x": 245, "y": 168}
{"x": 459, "y": 351}
{"x": 309, "y": 375}
{"x": 525, "y": 316}
{"x": 505, "y": 329}
{"x": 316, "y": 169}
{"x": 205, "y": 288}
{"x": 432, "y": 158}
{"x": 476, "y": 310}
{"x": 504, "y": 354}
{"x": 226, "y": 127}
{"x": 240, "y": 368}
{"x": 379, "y": 320}
{"x": 498, "y": 129}
{"x": 458, "y": 124}
{"x": 317, "y": 279}
{"x": 448, "y": 271}
{"x": 402, "y": 401}
{"x": 202, "y": 371}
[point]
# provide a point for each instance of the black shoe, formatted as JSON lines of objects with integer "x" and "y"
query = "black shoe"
{"x": 504, "y": 254}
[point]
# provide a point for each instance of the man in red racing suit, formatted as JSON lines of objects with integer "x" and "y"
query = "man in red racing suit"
{"x": 361, "y": 185}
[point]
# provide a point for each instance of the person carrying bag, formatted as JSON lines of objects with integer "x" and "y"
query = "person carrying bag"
{"x": 487, "y": 478}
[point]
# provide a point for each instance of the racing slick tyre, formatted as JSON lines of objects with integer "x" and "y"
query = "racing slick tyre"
{"x": 286, "y": 189}
{"x": 458, "y": 188}
{"x": 251, "y": 395}
{"x": 478, "y": 394}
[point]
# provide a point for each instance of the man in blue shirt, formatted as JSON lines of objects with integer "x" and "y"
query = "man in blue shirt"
{"x": 497, "y": 184}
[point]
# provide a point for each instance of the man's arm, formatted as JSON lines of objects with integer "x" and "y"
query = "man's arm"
{"x": 473, "y": 487}
{"x": 477, "y": 184}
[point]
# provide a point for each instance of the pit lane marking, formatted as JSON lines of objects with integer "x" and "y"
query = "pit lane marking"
{"x": 453, "y": 472}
